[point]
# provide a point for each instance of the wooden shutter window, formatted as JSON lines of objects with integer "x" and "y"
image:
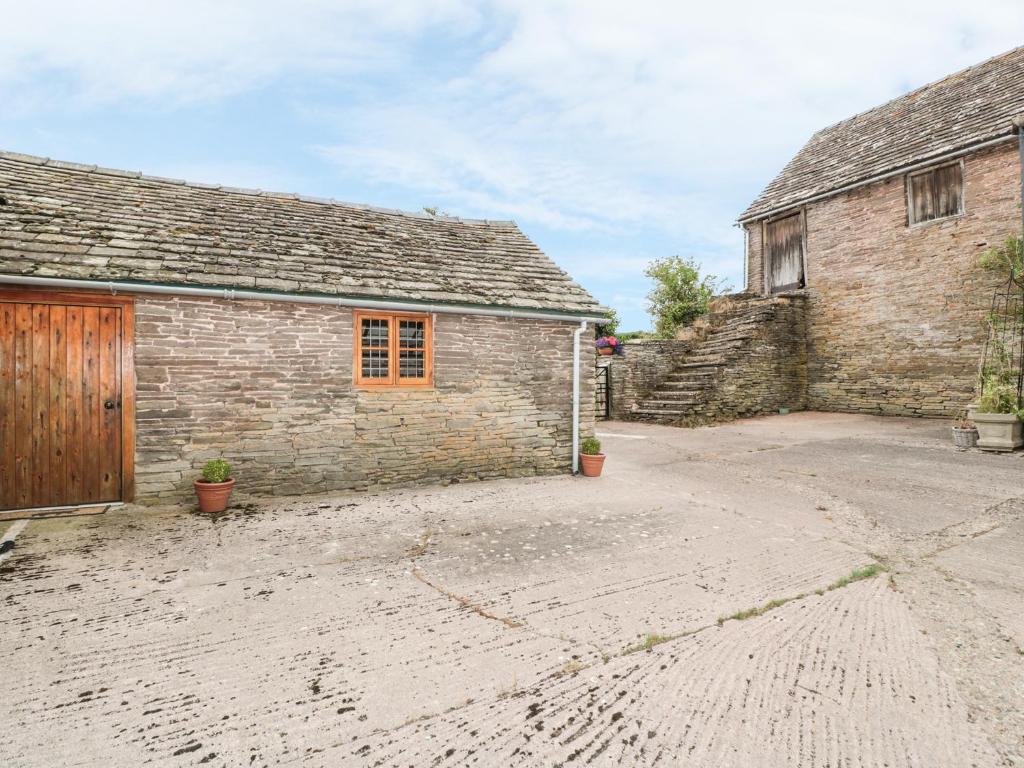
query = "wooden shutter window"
{"x": 392, "y": 350}
{"x": 785, "y": 254}
{"x": 937, "y": 193}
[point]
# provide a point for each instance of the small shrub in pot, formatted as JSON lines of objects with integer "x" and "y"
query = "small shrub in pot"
{"x": 214, "y": 488}
{"x": 591, "y": 458}
{"x": 997, "y": 415}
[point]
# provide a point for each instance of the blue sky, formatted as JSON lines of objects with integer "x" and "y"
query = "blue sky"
{"x": 613, "y": 133}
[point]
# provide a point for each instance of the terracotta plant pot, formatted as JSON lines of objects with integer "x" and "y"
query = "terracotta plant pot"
{"x": 213, "y": 497}
{"x": 605, "y": 350}
{"x": 591, "y": 464}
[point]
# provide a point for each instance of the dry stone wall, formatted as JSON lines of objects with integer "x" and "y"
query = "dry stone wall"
{"x": 748, "y": 356}
{"x": 768, "y": 372}
{"x": 268, "y": 386}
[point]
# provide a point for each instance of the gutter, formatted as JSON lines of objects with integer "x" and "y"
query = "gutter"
{"x": 576, "y": 396}
{"x": 232, "y": 294}
{"x": 880, "y": 177}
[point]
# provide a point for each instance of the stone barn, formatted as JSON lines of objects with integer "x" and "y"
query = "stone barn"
{"x": 148, "y": 325}
{"x": 863, "y": 290}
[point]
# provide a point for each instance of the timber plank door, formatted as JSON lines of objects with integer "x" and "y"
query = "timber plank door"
{"x": 66, "y": 377}
{"x": 785, "y": 239}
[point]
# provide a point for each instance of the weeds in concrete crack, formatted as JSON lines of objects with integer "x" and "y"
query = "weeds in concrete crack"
{"x": 867, "y": 572}
{"x": 420, "y": 547}
{"x": 507, "y": 692}
{"x": 571, "y": 667}
{"x": 647, "y": 643}
{"x": 465, "y": 602}
{"x": 859, "y": 574}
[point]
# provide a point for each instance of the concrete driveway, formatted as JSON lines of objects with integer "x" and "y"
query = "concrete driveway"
{"x": 546, "y": 622}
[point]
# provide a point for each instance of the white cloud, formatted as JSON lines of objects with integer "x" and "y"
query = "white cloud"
{"x": 108, "y": 51}
{"x": 594, "y": 115}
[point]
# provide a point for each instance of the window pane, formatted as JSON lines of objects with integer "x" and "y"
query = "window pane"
{"x": 411, "y": 364}
{"x": 411, "y": 334}
{"x": 375, "y": 363}
{"x": 921, "y": 198}
{"x": 375, "y": 332}
{"x": 948, "y": 185}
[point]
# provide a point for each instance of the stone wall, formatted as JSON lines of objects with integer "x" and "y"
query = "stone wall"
{"x": 769, "y": 371}
{"x": 268, "y": 386}
{"x": 758, "y": 345}
{"x": 644, "y": 365}
{"x": 895, "y": 312}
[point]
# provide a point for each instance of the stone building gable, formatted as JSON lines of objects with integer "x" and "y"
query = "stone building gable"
{"x": 965, "y": 109}
{"x": 75, "y": 221}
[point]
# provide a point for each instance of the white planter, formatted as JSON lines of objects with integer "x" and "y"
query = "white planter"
{"x": 998, "y": 431}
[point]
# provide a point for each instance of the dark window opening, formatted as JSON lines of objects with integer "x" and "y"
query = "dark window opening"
{"x": 937, "y": 193}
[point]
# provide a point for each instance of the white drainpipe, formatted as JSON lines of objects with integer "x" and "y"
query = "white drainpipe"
{"x": 576, "y": 396}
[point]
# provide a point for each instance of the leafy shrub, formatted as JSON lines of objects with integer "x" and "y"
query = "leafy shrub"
{"x": 997, "y": 396}
{"x": 625, "y": 336}
{"x": 680, "y": 295}
{"x": 1007, "y": 258}
{"x": 609, "y": 326}
{"x": 216, "y": 471}
{"x": 590, "y": 446}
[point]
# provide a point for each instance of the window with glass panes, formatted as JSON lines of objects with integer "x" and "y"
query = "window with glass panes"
{"x": 392, "y": 349}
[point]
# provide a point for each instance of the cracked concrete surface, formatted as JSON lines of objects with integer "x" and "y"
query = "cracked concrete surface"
{"x": 488, "y": 624}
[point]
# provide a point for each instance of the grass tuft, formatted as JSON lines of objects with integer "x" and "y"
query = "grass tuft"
{"x": 646, "y": 644}
{"x": 859, "y": 574}
{"x": 867, "y": 572}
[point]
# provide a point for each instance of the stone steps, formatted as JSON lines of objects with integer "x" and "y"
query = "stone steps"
{"x": 693, "y": 383}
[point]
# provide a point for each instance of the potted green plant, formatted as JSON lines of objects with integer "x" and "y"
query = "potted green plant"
{"x": 591, "y": 458}
{"x": 996, "y": 415}
{"x": 213, "y": 489}
{"x": 965, "y": 434}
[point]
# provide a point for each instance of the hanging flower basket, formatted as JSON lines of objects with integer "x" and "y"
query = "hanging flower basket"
{"x": 608, "y": 345}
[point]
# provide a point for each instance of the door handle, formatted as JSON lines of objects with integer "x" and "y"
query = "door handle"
{"x": 109, "y": 405}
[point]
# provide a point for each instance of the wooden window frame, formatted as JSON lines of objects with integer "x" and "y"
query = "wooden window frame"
{"x": 393, "y": 380}
{"x": 127, "y": 306}
{"x": 909, "y": 190}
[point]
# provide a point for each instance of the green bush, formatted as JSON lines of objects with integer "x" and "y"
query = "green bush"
{"x": 997, "y": 396}
{"x": 610, "y": 326}
{"x": 216, "y": 471}
{"x": 590, "y": 446}
{"x": 680, "y": 295}
{"x": 1006, "y": 259}
{"x": 625, "y": 336}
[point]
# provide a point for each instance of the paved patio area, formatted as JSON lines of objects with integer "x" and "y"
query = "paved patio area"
{"x": 546, "y": 622}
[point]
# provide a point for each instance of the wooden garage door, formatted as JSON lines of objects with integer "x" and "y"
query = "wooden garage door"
{"x": 62, "y": 414}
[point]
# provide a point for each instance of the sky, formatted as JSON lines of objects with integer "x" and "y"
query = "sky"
{"x": 613, "y": 133}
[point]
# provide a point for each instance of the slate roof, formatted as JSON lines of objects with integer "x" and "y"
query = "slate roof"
{"x": 75, "y": 221}
{"x": 962, "y": 110}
